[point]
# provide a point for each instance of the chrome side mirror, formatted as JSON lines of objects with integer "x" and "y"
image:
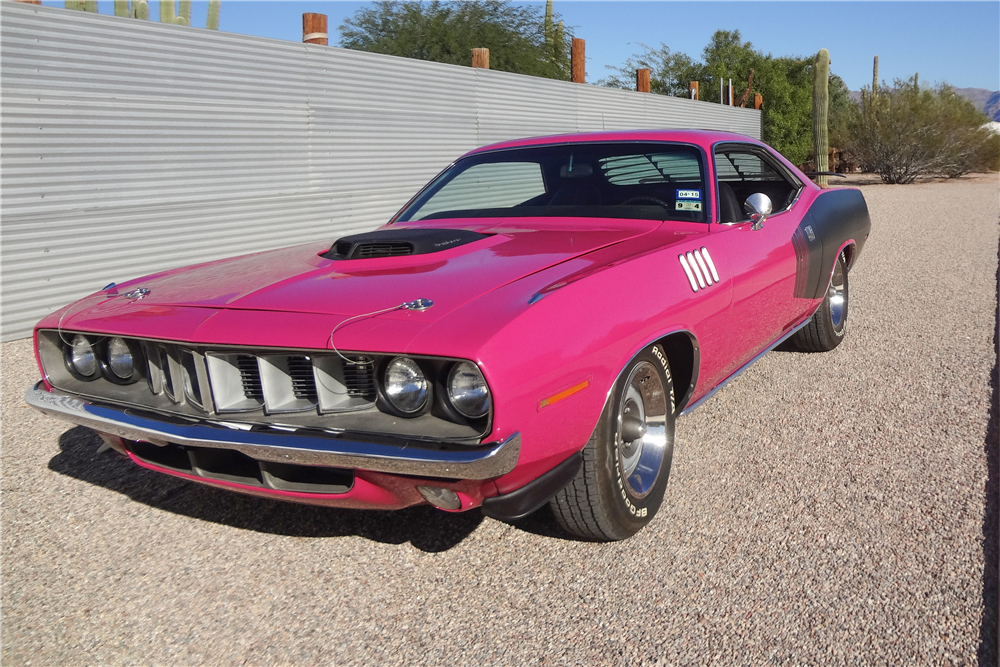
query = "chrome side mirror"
{"x": 758, "y": 207}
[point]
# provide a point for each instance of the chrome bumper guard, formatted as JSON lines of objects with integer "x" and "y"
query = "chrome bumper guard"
{"x": 286, "y": 444}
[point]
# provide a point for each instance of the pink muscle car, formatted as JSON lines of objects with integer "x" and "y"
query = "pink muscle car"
{"x": 524, "y": 331}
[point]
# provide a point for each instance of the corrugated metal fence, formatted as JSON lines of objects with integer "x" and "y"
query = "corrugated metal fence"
{"x": 130, "y": 146}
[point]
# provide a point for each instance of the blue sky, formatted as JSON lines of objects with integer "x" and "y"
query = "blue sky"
{"x": 957, "y": 42}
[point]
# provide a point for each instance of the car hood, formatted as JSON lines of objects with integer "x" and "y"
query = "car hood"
{"x": 298, "y": 279}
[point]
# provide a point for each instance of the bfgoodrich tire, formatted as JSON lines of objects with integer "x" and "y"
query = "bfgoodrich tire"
{"x": 626, "y": 462}
{"x": 829, "y": 323}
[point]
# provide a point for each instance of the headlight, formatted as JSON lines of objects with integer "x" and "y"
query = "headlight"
{"x": 120, "y": 360}
{"x": 82, "y": 357}
{"x": 467, "y": 390}
{"x": 406, "y": 388}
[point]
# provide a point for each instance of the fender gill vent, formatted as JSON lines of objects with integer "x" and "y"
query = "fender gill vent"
{"x": 395, "y": 242}
{"x": 699, "y": 268}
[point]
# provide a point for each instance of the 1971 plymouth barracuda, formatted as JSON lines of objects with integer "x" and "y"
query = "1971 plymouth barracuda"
{"x": 526, "y": 330}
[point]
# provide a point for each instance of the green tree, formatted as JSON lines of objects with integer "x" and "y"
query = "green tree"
{"x": 520, "y": 39}
{"x": 669, "y": 73}
{"x": 785, "y": 83}
{"x": 907, "y": 131}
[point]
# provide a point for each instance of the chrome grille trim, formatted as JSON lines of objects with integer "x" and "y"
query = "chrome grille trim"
{"x": 250, "y": 376}
{"x": 259, "y": 387}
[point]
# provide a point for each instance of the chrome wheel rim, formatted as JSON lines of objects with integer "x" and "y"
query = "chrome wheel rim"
{"x": 837, "y": 296}
{"x": 641, "y": 436}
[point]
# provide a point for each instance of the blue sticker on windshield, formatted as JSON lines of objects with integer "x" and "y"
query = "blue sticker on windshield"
{"x": 689, "y": 194}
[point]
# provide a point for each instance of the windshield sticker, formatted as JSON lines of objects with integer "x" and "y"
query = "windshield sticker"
{"x": 689, "y": 206}
{"x": 689, "y": 194}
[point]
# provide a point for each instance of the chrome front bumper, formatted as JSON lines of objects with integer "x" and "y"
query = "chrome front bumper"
{"x": 286, "y": 445}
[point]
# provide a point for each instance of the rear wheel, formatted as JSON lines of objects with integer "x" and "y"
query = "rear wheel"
{"x": 826, "y": 328}
{"x": 626, "y": 463}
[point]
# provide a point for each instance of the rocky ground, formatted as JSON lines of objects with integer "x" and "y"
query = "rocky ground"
{"x": 829, "y": 509}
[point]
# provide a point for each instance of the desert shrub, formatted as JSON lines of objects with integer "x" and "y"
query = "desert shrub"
{"x": 907, "y": 131}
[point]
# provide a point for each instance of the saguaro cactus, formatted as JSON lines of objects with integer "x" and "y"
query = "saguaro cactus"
{"x": 875, "y": 79}
{"x": 168, "y": 13}
{"x": 821, "y": 107}
{"x": 213, "y": 14}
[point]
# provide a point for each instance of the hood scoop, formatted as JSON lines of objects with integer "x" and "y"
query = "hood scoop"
{"x": 398, "y": 242}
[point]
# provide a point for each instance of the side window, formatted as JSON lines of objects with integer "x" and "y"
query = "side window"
{"x": 742, "y": 172}
{"x": 487, "y": 185}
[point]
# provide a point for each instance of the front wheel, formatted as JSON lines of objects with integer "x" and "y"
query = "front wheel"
{"x": 826, "y": 328}
{"x": 626, "y": 462}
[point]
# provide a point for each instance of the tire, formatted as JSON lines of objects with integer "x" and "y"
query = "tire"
{"x": 829, "y": 323}
{"x": 621, "y": 484}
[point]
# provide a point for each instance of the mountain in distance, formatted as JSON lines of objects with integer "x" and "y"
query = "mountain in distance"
{"x": 987, "y": 101}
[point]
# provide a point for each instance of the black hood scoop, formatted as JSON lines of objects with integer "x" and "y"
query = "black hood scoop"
{"x": 397, "y": 242}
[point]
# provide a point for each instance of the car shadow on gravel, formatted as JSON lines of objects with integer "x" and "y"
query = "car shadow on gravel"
{"x": 989, "y": 630}
{"x": 424, "y": 527}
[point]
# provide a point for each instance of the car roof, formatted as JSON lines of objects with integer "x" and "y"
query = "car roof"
{"x": 700, "y": 137}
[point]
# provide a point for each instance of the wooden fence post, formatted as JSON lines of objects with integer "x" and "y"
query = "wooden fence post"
{"x": 314, "y": 29}
{"x": 693, "y": 90}
{"x": 642, "y": 80}
{"x": 758, "y": 100}
{"x": 481, "y": 58}
{"x": 577, "y": 61}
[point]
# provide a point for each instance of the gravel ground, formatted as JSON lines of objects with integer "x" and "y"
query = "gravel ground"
{"x": 834, "y": 509}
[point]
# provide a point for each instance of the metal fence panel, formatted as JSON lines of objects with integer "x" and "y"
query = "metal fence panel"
{"x": 131, "y": 146}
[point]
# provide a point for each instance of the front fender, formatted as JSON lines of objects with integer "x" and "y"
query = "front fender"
{"x": 552, "y": 363}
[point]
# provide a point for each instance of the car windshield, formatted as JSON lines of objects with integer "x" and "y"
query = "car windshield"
{"x": 657, "y": 181}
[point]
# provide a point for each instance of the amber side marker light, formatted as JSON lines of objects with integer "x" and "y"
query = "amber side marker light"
{"x": 564, "y": 394}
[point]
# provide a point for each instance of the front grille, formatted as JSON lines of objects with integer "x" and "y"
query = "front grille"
{"x": 359, "y": 377}
{"x": 250, "y": 376}
{"x": 300, "y": 370}
{"x": 369, "y": 250}
{"x": 242, "y": 387}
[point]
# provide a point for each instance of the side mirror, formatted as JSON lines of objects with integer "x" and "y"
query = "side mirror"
{"x": 758, "y": 207}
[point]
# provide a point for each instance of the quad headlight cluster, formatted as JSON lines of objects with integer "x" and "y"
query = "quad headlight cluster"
{"x": 408, "y": 389}
{"x": 114, "y": 358}
{"x": 276, "y": 382}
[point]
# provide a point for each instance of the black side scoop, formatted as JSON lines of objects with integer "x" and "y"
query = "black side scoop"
{"x": 396, "y": 242}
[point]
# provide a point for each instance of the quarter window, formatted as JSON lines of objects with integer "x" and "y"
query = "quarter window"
{"x": 742, "y": 171}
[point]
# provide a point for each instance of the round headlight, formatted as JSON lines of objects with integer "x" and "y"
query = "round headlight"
{"x": 120, "y": 359}
{"x": 467, "y": 390}
{"x": 405, "y": 385}
{"x": 82, "y": 356}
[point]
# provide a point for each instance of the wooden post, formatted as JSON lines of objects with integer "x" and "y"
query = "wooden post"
{"x": 693, "y": 90}
{"x": 642, "y": 80}
{"x": 481, "y": 58}
{"x": 577, "y": 61}
{"x": 314, "y": 29}
{"x": 758, "y": 100}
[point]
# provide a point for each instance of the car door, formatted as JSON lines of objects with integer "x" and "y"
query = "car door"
{"x": 761, "y": 261}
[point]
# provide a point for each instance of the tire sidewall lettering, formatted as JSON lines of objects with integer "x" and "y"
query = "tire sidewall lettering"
{"x": 637, "y": 510}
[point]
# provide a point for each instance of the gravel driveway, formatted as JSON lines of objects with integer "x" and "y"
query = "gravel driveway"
{"x": 833, "y": 509}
